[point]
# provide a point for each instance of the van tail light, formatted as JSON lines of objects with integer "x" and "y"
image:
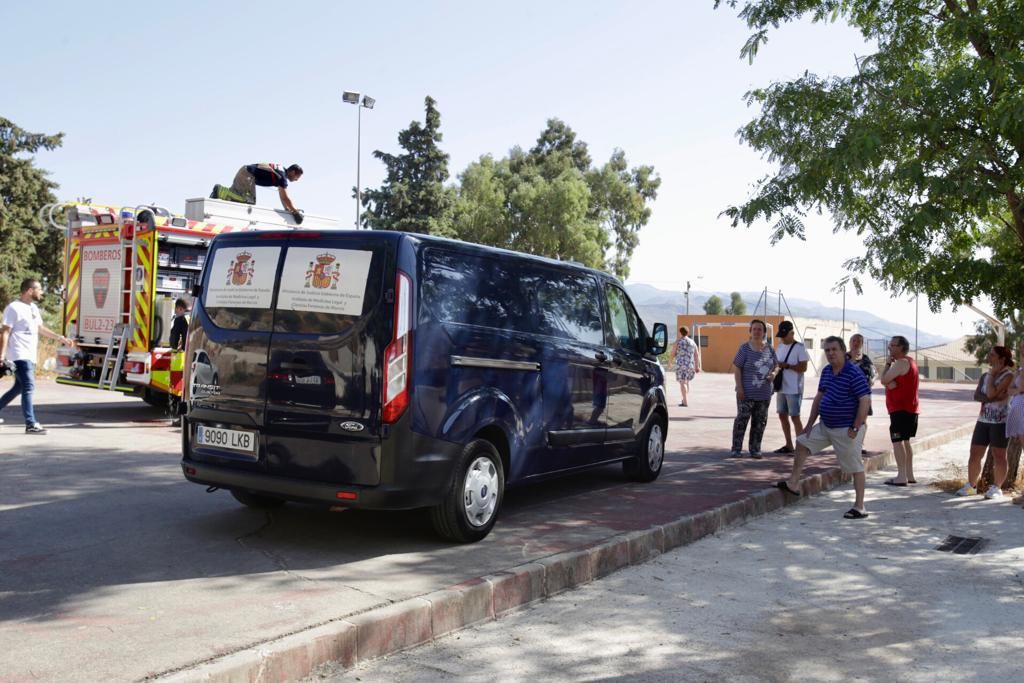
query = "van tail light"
{"x": 398, "y": 353}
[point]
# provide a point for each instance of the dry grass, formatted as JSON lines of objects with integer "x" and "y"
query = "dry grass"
{"x": 950, "y": 478}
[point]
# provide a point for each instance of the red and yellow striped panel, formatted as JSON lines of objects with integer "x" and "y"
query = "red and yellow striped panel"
{"x": 73, "y": 282}
{"x": 144, "y": 272}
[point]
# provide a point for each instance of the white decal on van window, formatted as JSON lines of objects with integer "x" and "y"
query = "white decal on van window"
{"x": 242, "y": 277}
{"x": 324, "y": 280}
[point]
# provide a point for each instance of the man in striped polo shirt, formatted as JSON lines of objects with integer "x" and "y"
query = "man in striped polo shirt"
{"x": 842, "y": 402}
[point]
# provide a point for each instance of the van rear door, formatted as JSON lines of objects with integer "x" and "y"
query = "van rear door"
{"x": 227, "y": 349}
{"x": 331, "y": 326}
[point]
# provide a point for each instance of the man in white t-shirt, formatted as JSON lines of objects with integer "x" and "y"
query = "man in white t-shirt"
{"x": 19, "y": 343}
{"x": 793, "y": 358}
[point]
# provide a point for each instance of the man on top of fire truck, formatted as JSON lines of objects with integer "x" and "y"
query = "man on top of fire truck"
{"x": 243, "y": 188}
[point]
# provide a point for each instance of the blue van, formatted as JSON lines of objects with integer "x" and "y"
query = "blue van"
{"x": 388, "y": 370}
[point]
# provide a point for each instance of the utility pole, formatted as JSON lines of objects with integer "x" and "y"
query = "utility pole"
{"x": 687, "y": 298}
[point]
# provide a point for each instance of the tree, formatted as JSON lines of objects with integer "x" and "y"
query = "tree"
{"x": 413, "y": 197}
{"x": 736, "y": 306}
{"x": 27, "y": 248}
{"x": 713, "y": 306}
{"x": 553, "y": 202}
{"x": 918, "y": 151}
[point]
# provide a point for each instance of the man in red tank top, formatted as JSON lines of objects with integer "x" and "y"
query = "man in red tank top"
{"x": 900, "y": 379}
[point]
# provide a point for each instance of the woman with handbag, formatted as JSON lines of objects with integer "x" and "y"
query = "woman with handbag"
{"x": 990, "y": 429}
{"x": 752, "y": 368}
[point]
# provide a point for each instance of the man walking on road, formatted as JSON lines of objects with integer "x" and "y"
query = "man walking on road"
{"x": 243, "y": 188}
{"x": 842, "y": 401}
{"x": 19, "y": 343}
{"x": 900, "y": 379}
{"x": 793, "y": 358}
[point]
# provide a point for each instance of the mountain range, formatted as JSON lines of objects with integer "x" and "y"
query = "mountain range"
{"x": 661, "y": 305}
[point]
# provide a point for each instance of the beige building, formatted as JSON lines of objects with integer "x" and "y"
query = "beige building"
{"x": 949, "y": 362}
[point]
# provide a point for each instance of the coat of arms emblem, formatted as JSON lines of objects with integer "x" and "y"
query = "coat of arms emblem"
{"x": 324, "y": 272}
{"x": 242, "y": 269}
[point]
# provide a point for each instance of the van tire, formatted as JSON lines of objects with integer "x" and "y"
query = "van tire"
{"x": 256, "y": 500}
{"x": 480, "y": 466}
{"x": 647, "y": 465}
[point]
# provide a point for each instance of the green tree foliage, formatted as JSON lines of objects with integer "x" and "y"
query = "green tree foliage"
{"x": 985, "y": 338}
{"x": 714, "y": 305}
{"x": 27, "y": 248}
{"x": 736, "y": 305}
{"x": 552, "y": 201}
{"x": 915, "y": 151}
{"x": 413, "y": 197}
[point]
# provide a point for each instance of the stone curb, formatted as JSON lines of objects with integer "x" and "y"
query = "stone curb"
{"x": 399, "y": 626}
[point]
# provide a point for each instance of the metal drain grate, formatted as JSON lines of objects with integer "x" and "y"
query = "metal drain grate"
{"x": 959, "y": 545}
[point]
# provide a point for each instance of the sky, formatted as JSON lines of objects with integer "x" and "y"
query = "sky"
{"x": 160, "y": 101}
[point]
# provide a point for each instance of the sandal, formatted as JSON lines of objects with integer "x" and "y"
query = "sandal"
{"x": 785, "y": 450}
{"x": 893, "y": 482}
{"x": 854, "y": 513}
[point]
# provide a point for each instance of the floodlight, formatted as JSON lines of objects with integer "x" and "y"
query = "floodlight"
{"x": 350, "y": 97}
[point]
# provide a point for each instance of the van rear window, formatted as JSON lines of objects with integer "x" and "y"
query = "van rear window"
{"x": 239, "y": 288}
{"x": 325, "y": 289}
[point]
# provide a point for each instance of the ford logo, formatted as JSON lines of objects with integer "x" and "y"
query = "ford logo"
{"x": 352, "y": 426}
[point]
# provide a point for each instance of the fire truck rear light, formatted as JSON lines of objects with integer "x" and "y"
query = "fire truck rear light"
{"x": 135, "y": 368}
{"x": 64, "y": 360}
{"x": 347, "y": 495}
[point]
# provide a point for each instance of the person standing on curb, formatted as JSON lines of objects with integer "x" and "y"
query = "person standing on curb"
{"x": 752, "y": 367}
{"x": 793, "y": 365}
{"x": 19, "y": 343}
{"x": 687, "y": 363}
{"x": 863, "y": 361}
{"x": 990, "y": 430}
{"x": 901, "y": 380}
{"x": 842, "y": 401}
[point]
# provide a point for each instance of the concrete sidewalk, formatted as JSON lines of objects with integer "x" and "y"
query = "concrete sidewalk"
{"x": 108, "y": 556}
{"x": 801, "y": 595}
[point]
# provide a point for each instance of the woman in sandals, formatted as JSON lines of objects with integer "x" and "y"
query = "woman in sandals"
{"x": 993, "y": 393}
{"x": 687, "y": 363}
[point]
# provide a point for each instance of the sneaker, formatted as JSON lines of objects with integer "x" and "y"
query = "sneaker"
{"x": 735, "y": 454}
{"x": 967, "y": 490}
{"x": 35, "y": 429}
{"x": 755, "y": 456}
{"x": 994, "y": 492}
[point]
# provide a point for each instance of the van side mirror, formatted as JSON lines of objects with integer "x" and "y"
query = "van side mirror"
{"x": 197, "y": 291}
{"x": 659, "y": 339}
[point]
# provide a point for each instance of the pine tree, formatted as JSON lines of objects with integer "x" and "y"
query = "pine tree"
{"x": 413, "y": 197}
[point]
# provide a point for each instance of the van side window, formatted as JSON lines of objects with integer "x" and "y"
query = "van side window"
{"x": 626, "y": 328}
{"x": 472, "y": 290}
{"x": 566, "y": 303}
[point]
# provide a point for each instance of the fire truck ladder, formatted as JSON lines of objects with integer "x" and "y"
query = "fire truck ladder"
{"x": 113, "y": 360}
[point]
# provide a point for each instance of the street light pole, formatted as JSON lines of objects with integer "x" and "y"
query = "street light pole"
{"x": 361, "y": 101}
{"x": 687, "y": 298}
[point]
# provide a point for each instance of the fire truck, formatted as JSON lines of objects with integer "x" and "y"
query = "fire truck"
{"x": 124, "y": 268}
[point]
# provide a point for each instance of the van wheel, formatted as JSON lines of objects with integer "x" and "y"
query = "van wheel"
{"x": 470, "y": 507}
{"x": 256, "y": 500}
{"x": 647, "y": 465}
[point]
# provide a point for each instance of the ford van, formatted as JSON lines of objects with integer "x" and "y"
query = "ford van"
{"x": 388, "y": 370}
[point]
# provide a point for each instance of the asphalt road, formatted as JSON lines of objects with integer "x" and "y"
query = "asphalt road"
{"x": 797, "y": 595}
{"x": 114, "y": 568}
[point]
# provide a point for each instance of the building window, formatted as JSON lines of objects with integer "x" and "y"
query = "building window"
{"x": 922, "y": 371}
{"x": 703, "y": 341}
{"x": 943, "y": 373}
{"x": 973, "y": 373}
{"x": 822, "y": 345}
{"x": 809, "y": 342}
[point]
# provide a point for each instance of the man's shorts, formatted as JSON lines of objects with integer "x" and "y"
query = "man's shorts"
{"x": 902, "y": 426}
{"x": 989, "y": 434}
{"x": 788, "y": 404}
{"x": 847, "y": 450}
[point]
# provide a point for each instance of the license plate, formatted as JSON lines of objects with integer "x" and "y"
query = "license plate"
{"x": 229, "y": 439}
{"x": 312, "y": 379}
